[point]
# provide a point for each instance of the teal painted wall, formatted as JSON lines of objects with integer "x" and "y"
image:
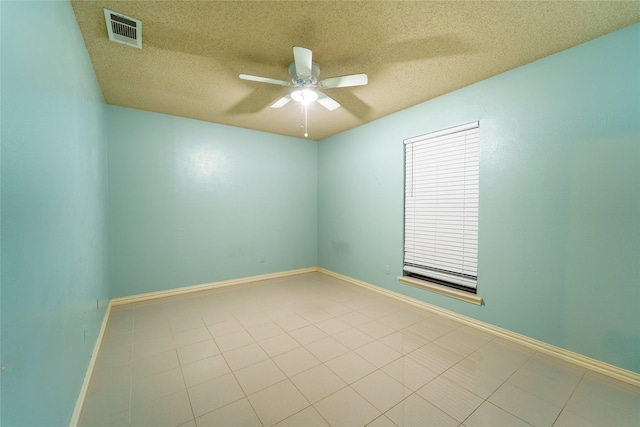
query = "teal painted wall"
{"x": 193, "y": 202}
{"x": 54, "y": 192}
{"x": 559, "y": 246}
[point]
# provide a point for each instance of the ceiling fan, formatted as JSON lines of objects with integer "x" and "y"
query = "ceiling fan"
{"x": 304, "y": 78}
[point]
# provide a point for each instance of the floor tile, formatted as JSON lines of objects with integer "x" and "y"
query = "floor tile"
{"x": 105, "y": 404}
{"x": 101, "y": 420}
{"x": 245, "y": 356}
{"x": 435, "y": 357}
{"x": 198, "y": 351}
{"x": 153, "y": 330}
{"x": 317, "y": 383}
{"x": 191, "y": 336}
{"x": 375, "y": 329}
{"x": 464, "y": 340}
{"x": 378, "y": 353}
{"x": 333, "y": 326}
{"x": 171, "y": 410}
{"x": 378, "y": 310}
{"x": 237, "y": 414}
{"x": 346, "y": 408}
{"x": 110, "y": 378}
{"x": 155, "y": 386}
{"x": 467, "y": 374}
{"x": 295, "y": 361}
{"x": 441, "y": 324}
{"x": 327, "y": 348}
{"x": 382, "y": 421}
{"x": 567, "y": 419}
{"x": 252, "y": 319}
{"x": 427, "y": 329}
{"x": 412, "y": 374}
{"x": 224, "y": 327}
{"x": 451, "y": 398}
{"x": 292, "y": 322}
{"x": 277, "y": 402}
{"x": 308, "y": 417}
{"x": 350, "y": 367}
{"x": 214, "y": 394}
{"x": 414, "y": 411}
{"x": 155, "y": 363}
{"x": 602, "y": 401}
{"x": 605, "y": 389}
{"x": 499, "y": 359}
{"x": 204, "y": 370}
{"x": 525, "y": 406}
{"x": 152, "y": 346}
{"x": 278, "y": 344}
{"x": 185, "y": 324}
{"x": 337, "y": 309}
{"x": 545, "y": 388}
{"x": 554, "y": 368}
{"x": 381, "y": 390}
{"x": 403, "y": 341}
{"x": 354, "y": 318}
{"x": 352, "y": 338}
{"x": 233, "y": 340}
{"x": 397, "y": 321}
{"x": 308, "y": 334}
{"x": 489, "y": 415}
{"x": 259, "y": 376}
{"x": 315, "y": 315}
{"x": 265, "y": 330}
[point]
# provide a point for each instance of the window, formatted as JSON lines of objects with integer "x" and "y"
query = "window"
{"x": 441, "y": 207}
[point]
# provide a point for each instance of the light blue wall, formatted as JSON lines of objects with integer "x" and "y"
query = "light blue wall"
{"x": 559, "y": 198}
{"x": 193, "y": 202}
{"x": 54, "y": 192}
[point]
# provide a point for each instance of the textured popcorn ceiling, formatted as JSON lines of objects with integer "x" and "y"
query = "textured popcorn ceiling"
{"x": 193, "y": 52}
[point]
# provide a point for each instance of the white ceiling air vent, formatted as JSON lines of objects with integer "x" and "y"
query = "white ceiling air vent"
{"x": 123, "y": 29}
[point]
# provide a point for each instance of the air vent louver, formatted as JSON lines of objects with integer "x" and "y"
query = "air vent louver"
{"x": 123, "y": 29}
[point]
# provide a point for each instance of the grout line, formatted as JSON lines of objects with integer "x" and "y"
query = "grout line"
{"x": 584, "y": 373}
{"x": 186, "y": 389}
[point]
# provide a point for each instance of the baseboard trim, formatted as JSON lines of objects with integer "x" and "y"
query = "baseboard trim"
{"x": 208, "y": 286}
{"x": 75, "y": 416}
{"x": 569, "y": 356}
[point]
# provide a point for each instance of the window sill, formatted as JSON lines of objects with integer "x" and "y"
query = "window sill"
{"x": 440, "y": 289}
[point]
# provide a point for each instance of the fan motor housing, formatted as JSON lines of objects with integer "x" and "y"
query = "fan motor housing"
{"x": 303, "y": 80}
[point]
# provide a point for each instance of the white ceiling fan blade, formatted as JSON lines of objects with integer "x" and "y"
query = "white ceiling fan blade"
{"x": 303, "y": 59}
{"x": 264, "y": 80}
{"x": 281, "y": 102}
{"x": 344, "y": 81}
{"x": 328, "y": 103}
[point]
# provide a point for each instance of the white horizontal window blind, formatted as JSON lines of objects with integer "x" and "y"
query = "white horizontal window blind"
{"x": 441, "y": 206}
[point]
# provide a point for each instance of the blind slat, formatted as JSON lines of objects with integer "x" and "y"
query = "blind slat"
{"x": 441, "y": 204}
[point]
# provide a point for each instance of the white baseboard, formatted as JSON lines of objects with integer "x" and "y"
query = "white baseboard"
{"x": 208, "y": 286}
{"x": 75, "y": 417}
{"x": 569, "y": 356}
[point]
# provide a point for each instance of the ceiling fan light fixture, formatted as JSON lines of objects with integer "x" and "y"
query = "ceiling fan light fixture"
{"x": 304, "y": 96}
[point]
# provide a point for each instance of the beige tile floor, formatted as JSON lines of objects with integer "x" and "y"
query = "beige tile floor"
{"x": 311, "y": 350}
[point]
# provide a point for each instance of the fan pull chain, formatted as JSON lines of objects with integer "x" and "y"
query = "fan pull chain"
{"x": 306, "y": 134}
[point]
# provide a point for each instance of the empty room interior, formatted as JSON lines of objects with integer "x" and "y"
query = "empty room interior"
{"x": 320, "y": 213}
